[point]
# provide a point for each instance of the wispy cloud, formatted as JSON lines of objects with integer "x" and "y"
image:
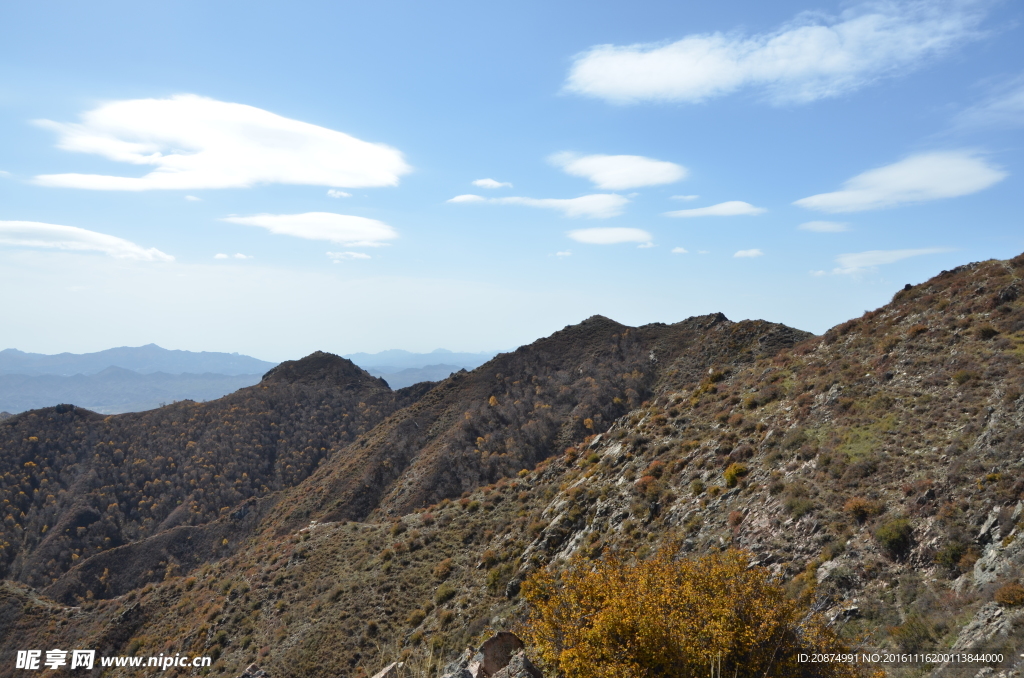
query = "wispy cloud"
{"x": 824, "y": 226}
{"x": 732, "y": 208}
{"x": 53, "y": 236}
{"x": 339, "y": 228}
{"x": 4, "y": 173}
{"x": 596, "y": 206}
{"x": 192, "y": 198}
{"x": 491, "y": 183}
{"x": 685, "y": 197}
{"x": 237, "y": 255}
{"x": 610, "y": 236}
{"x": 749, "y": 254}
{"x": 680, "y": 250}
{"x": 919, "y": 178}
{"x": 220, "y": 255}
{"x": 619, "y": 172}
{"x": 814, "y": 56}
{"x": 861, "y": 261}
{"x": 1003, "y": 108}
{"x": 338, "y": 257}
{"x": 335, "y": 193}
{"x": 563, "y": 253}
{"x": 197, "y": 142}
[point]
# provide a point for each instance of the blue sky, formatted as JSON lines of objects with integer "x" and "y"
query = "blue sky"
{"x": 278, "y": 178}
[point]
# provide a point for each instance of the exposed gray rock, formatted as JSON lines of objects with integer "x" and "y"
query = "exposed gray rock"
{"x": 498, "y": 650}
{"x": 519, "y": 666}
{"x": 254, "y": 671}
{"x": 389, "y": 671}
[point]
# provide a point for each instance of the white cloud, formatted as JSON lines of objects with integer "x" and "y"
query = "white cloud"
{"x": 1005, "y": 108}
{"x": 4, "y": 173}
{"x": 239, "y": 255}
{"x": 335, "y": 193}
{"x": 491, "y": 183}
{"x": 749, "y": 254}
{"x": 220, "y": 255}
{"x": 192, "y": 198}
{"x": 685, "y": 197}
{"x": 596, "y": 206}
{"x": 824, "y": 227}
{"x": 732, "y": 208}
{"x": 860, "y": 261}
{"x": 197, "y": 142}
{"x": 619, "y": 172}
{"x": 919, "y": 178}
{"x": 680, "y": 250}
{"x": 811, "y": 57}
{"x": 563, "y": 253}
{"x": 54, "y": 236}
{"x": 610, "y": 236}
{"x": 338, "y": 257}
{"x": 339, "y": 228}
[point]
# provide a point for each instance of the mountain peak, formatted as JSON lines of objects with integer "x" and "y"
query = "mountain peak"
{"x": 319, "y": 367}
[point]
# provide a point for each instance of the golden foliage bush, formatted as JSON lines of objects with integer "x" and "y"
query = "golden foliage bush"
{"x": 678, "y": 618}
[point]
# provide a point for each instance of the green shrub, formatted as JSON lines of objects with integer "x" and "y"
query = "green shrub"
{"x": 799, "y": 506}
{"x": 734, "y": 472}
{"x": 444, "y": 593}
{"x": 415, "y": 618}
{"x": 894, "y": 536}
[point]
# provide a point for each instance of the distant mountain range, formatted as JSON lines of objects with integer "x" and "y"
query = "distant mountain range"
{"x": 133, "y": 379}
{"x": 146, "y": 359}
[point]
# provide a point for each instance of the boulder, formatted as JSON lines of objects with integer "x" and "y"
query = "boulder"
{"x": 497, "y": 651}
{"x": 519, "y": 666}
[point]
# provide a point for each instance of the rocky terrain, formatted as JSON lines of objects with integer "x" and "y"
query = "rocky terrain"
{"x": 877, "y": 470}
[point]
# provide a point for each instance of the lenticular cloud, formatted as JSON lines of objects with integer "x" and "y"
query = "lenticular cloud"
{"x": 194, "y": 142}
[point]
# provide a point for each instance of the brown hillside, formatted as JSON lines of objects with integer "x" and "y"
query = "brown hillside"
{"x": 74, "y": 483}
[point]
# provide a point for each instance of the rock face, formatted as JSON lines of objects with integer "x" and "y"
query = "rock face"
{"x": 501, "y": 656}
{"x": 389, "y": 671}
{"x": 254, "y": 671}
{"x": 519, "y": 666}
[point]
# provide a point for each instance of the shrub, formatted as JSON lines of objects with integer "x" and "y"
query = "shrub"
{"x": 443, "y": 569}
{"x": 1010, "y": 595}
{"x": 697, "y": 487}
{"x": 963, "y": 376}
{"x": 894, "y": 536}
{"x": 985, "y": 332}
{"x": 734, "y": 472}
{"x": 860, "y": 509}
{"x": 667, "y": 617}
{"x": 799, "y": 506}
{"x": 916, "y": 330}
{"x": 415, "y": 618}
{"x": 444, "y": 593}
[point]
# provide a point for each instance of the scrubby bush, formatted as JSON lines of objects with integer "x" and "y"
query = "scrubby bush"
{"x": 1010, "y": 595}
{"x": 894, "y": 536}
{"x": 444, "y": 593}
{"x": 667, "y": 617}
{"x": 860, "y": 509}
{"x": 734, "y": 472}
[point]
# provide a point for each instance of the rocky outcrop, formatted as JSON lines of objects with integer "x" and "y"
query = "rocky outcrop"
{"x": 500, "y": 656}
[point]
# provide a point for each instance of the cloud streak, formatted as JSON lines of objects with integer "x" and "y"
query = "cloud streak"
{"x": 194, "y": 142}
{"x": 71, "y": 238}
{"x": 824, "y": 227}
{"x": 811, "y": 57}
{"x": 732, "y": 208}
{"x": 491, "y": 183}
{"x": 919, "y": 178}
{"x": 343, "y": 229}
{"x": 861, "y": 261}
{"x": 619, "y": 172}
{"x": 611, "y": 236}
{"x": 595, "y": 206}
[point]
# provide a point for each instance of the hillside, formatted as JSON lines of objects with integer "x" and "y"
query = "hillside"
{"x": 74, "y": 483}
{"x": 875, "y": 469}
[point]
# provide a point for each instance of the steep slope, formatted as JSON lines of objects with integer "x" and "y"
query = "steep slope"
{"x": 74, "y": 483}
{"x": 522, "y": 407}
{"x": 876, "y": 468}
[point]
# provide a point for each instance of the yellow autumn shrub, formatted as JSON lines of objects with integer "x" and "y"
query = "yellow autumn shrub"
{"x": 709, "y": 615}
